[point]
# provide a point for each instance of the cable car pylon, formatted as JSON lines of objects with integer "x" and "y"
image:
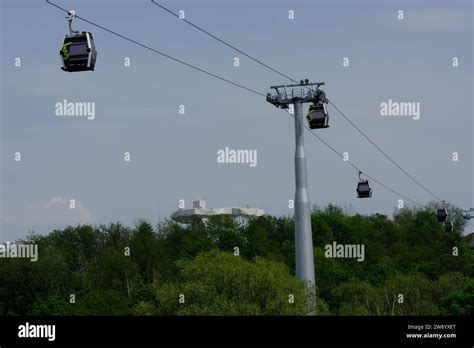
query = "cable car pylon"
{"x": 298, "y": 94}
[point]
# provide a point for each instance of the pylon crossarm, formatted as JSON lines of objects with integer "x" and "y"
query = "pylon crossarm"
{"x": 304, "y": 92}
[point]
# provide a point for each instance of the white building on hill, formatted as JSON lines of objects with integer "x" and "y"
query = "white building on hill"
{"x": 200, "y": 209}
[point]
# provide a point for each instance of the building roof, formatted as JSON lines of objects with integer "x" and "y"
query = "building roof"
{"x": 199, "y": 209}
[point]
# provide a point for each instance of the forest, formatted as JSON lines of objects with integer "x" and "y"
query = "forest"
{"x": 411, "y": 266}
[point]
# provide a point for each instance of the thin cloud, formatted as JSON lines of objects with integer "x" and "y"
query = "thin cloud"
{"x": 437, "y": 18}
{"x": 55, "y": 211}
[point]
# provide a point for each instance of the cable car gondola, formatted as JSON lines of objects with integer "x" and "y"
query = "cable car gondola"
{"x": 441, "y": 215}
{"x": 318, "y": 116}
{"x": 448, "y": 226}
{"x": 364, "y": 190}
{"x": 78, "y": 51}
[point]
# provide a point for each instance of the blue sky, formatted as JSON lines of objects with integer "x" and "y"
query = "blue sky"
{"x": 173, "y": 156}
